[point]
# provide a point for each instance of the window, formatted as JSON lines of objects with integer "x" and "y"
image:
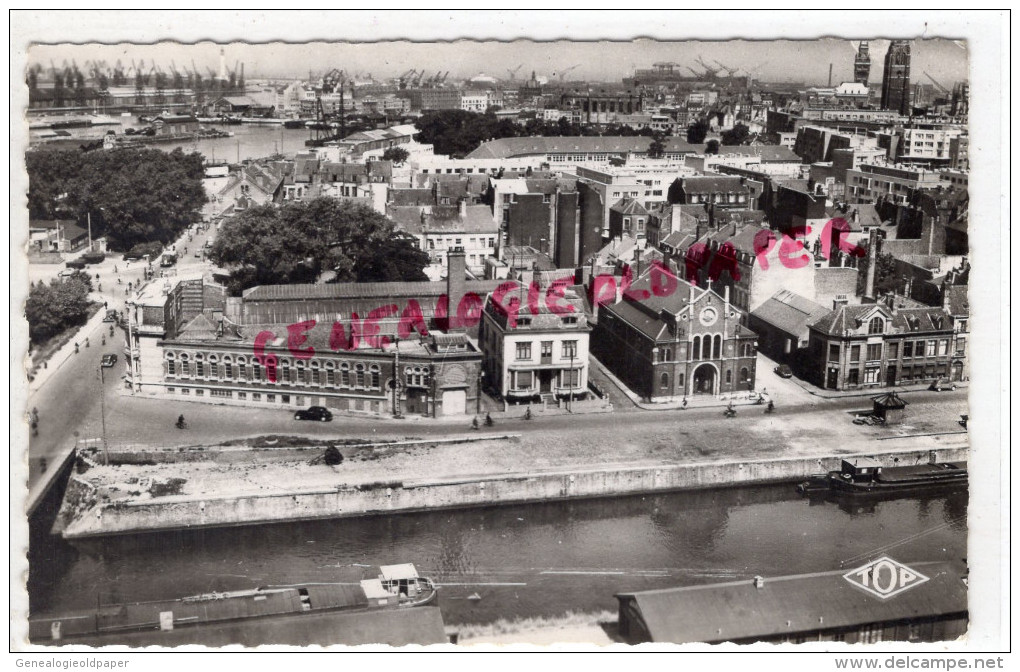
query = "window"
{"x": 199, "y": 369}
{"x": 876, "y": 326}
{"x": 228, "y": 370}
{"x": 524, "y": 380}
{"x": 930, "y": 351}
{"x": 271, "y": 398}
{"x": 524, "y": 351}
{"x": 359, "y": 373}
{"x": 871, "y": 375}
{"x": 570, "y": 320}
{"x": 717, "y": 347}
{"x": 547, "y": 349}
{"x": 664, "y": 381}
{"x": 243, "y": 396}
{"x": 853, "y": 377}
{"x": 345, "y": 375}
{"x": 546, "y": 198}
{"x": 696, "y": 350}
{"x": 961, "y": 346}
{"x": 221, "y": 393}
{"x": 171, "y": 390}
{"x": 855, "y": 353}
{"x": 170, "y": 367}
{"x": 874, "y": 351}
{"x": 185, "y": 391}
{"x": 569, "y": 349}
{"x": 943, "y": 347}
{"x": 374, "y": 371}
{"x": 743, "y": 374}
{"x": 729, "y": 376}
{"x": 330, "y": 378}
{"x": 908, "y": 349}
{"x": 199, "y": 393}
{"x": 894, "y": 350}
{"x": 284, "y": 398}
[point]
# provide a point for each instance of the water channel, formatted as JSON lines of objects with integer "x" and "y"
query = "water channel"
{"x": 515, "y": 561}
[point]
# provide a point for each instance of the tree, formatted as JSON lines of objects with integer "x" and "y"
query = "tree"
{"x": 886, "y": 279}
{"x": 657, "y": 148}
{"x": 736, "y": 135}
{"x": 396, "y": 155}
{"x": 133, "y": 195}
{"x": 52, "y": 308}
{"x": 712, "y": 147}
{"x": 299, "y": 241}
{"x": 697, "y": 131}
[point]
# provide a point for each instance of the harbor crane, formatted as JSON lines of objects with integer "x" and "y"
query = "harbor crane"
{"x": 514, "y": 71}
{"x": 710, "y": 72}
{"x": 729, "y": 71}
{"x": 940, "y": 87}
{"x": 567, "y": 71}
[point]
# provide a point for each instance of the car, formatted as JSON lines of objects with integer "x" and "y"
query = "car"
{"x": 111, "y": 316}
{"x": 941, "y": 385}
{"x": 783, "y": 371}
{"x": 76, "y": 263}
{"x": 109, "y": 360}
{"x": 319, "y": 413}
{"x": 198, "y": 254}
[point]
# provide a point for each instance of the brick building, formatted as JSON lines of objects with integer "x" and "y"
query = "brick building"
{"x": 689, "y": 342}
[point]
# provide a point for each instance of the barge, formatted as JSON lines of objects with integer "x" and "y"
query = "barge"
{"x": 866, "y": 476}
{"x": 397, "y": 587}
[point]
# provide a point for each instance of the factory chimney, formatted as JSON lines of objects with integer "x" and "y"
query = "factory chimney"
{"x": 456, "y": 269}
{"x": 223, "y": 65}
{"x": 869, "y": 281}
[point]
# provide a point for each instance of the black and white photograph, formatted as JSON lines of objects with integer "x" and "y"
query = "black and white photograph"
{"x": 425, "y": 339}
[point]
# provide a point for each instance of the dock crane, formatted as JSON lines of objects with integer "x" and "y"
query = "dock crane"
{"x": 729, "y": 71}
{"x": 709, "y": 70}
{"x": 567, "y": 71}
{"x": 940, "y": 87}
{"x": 514, "y": 71}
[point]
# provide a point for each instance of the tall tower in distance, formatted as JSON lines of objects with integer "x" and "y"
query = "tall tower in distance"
{"x": 862, "y": 64}
{"x": 896, "y": 78}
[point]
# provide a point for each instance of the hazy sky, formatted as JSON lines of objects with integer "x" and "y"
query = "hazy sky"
{"x": 807, "y": 61}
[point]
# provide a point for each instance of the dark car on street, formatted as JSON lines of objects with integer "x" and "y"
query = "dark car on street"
{"x": 783, "y": 371}
{"x": 941, "y": 385}
{"x": 109, "y": 360}
{"x": 319, "y": 413}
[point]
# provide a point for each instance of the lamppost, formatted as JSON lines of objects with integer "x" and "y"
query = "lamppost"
{"x": 396, "y": 378}
{"x": 102, "y": 411}
{"x": 570, "y": 393}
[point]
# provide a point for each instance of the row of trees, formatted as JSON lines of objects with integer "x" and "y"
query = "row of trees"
{"x": 134, "y": 195}
{"x": 52, "y": 308}
{"x": 300, "y": 241}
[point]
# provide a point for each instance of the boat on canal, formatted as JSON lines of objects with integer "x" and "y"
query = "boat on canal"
{"x": 866, "y": 476}
{"x": 396, "y": 587}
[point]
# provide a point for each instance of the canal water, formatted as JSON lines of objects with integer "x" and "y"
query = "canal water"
{"x": 515, "y": 561}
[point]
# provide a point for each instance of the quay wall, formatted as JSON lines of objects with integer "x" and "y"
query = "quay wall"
{"x": 183, "y": 512}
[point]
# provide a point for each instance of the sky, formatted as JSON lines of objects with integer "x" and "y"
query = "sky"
{"x": 806, "y": 61}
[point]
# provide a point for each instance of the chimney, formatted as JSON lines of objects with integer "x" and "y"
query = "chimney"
{"x": 455, "y": 272}
{"x": 869, "y": 281}
{"x": 463, "y": 208}
{"x": 840, "y": 301}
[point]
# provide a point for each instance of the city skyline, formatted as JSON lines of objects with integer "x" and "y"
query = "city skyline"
{"x": 805, "y": 61}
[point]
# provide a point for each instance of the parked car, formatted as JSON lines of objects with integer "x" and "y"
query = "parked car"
{"x": 783, "y": 371}
{"x": 109, "y": 360}
{"x": 319, "y": 413}
{"x": 941, "y": 385}
{"x": 76, "y": 263}
{"x": 198, "y": 254}
{"x": 111, "y": 316}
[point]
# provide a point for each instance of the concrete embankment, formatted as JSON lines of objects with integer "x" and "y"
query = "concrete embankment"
{"x": 89, "y": 517}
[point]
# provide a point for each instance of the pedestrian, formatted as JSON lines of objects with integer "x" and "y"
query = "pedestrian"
{"x": 76, "y": 348}
{"x": 87, "y": 342}
{"x": 105, "y": 305}
{"x": 683, "y": 405}
{"x": 115, "y": 270}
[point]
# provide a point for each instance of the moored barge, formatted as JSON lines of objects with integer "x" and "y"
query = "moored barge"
{"x": 866, "y": 476}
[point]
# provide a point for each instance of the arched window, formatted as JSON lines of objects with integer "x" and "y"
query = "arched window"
{"x": 743, "y": 374}
{"x": 359, "y": 374}
{"x": 729, "y": 376}
{"x": 171, "y": 365}
{"x": 706, "y": 347}
{"x": 345, "y": 375}
{"x": 375, "y": 375}
{"x": 717, "y": 347}
{"x": 696, "y": 351}
{"x": 664, "y": 381}
{"x": 876, "y": 326}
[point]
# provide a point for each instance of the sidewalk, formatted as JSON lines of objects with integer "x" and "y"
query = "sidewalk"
{"x": 870, "y": 392}
{"x": 61, "y": 356}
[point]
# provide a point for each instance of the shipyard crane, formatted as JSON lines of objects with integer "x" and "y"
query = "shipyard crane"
{"x": 729, "y": 71}
{"x": 564, "y": 73}
{"x": 936, "y": 83}
{"x": 514, "y": 71}
{"x": 694, "y": 72}
{"x": 709, "y": 70}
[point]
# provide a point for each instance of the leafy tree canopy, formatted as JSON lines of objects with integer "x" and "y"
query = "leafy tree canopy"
{"x": 54, "y": 307}
{"x": 712, "y": 147}
{"x": 697, "y": 131}
{"x": 396, "y": 155}
{"x": 736, "y": 135}
{"x": 296, "y": 243}
{"x": 134, "y": 195}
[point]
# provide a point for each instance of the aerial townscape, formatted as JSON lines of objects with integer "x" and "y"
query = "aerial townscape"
{"x": 659, "y": 359}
